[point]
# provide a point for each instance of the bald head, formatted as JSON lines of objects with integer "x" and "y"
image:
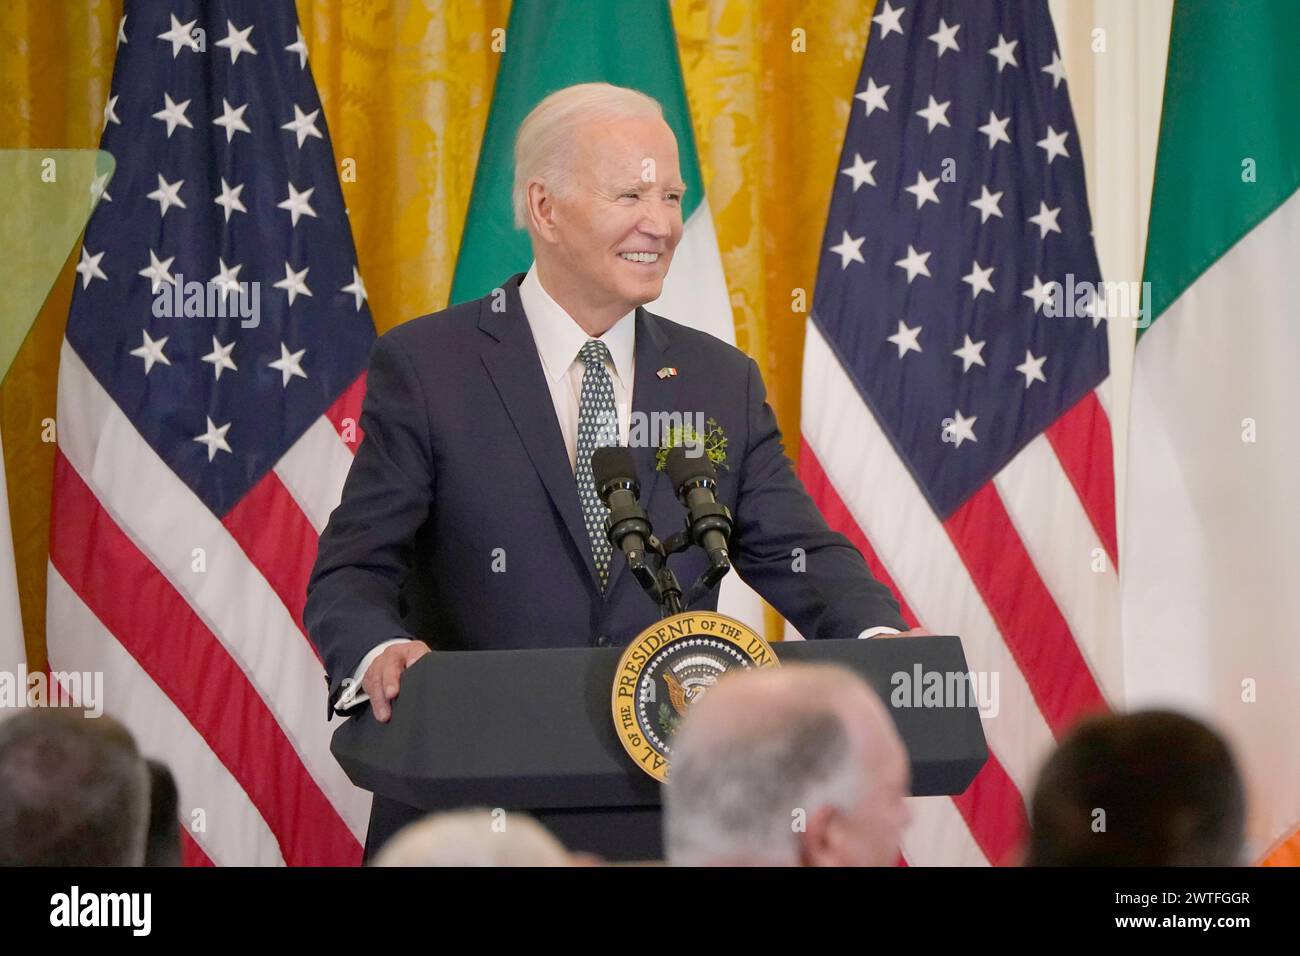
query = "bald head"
{"x": 782, "y": 766}
{"x": 477, "y": 837}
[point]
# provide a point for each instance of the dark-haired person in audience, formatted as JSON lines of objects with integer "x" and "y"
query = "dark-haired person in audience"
{"x": 163, "y": 843}
{"x": 74, "y": 791}
{"x": 1147, "y": 789}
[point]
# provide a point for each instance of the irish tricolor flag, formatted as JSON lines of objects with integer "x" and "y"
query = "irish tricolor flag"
{"x": 1211, "y": 566}
{"x": 553, "y": 45}
{"x": 549, "y": 46}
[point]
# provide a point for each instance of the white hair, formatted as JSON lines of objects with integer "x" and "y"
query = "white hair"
{"x": 474, "y": 838}
{"x": 544, "y": 143}
{"x": 738, "y": 790}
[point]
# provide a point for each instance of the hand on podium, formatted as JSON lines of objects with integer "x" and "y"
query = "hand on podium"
{"x": 383, "y": 677}
{"x": 914, "y": 632}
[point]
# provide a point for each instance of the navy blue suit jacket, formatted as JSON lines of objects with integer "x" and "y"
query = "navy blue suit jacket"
{"x": 463, "y": 456}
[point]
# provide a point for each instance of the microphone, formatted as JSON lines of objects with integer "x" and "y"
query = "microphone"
{"x": 708, "y": 523}
{"x": 627, "y": 526}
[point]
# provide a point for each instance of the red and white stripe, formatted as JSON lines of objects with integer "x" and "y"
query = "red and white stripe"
{"x": 197, "y": 625}
{"x": 1024, "y": 572}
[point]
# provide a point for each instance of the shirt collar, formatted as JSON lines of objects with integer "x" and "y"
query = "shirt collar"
{"x": 559, "y": 338}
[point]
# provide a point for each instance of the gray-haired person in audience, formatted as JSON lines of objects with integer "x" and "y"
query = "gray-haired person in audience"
{"x": 74, "y": 791}
{"x": 792, "y": 766}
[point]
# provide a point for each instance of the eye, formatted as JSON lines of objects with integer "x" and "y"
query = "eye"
{"x": 673, "y": 197}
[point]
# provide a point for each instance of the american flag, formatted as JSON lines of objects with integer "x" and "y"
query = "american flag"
{"x": 202, "y": 441}
{"x": 953, "y": 428}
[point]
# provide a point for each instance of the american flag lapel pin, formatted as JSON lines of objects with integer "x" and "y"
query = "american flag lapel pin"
{"x": 666, "y": 372}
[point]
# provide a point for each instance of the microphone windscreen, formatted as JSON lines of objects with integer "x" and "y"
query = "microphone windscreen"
{"x": 683, "y": 467}
{"x": 612, "y": 462}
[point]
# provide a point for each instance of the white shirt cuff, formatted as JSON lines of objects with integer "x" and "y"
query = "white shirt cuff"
{"x": 352, "y": 693}
{"x": 873, "y": 631}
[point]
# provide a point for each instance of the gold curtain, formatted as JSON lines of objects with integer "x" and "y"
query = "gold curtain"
{"x": 406, "y": 87}
{"x": 56, "y": 61}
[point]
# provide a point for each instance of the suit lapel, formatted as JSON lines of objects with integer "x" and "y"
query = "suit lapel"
{"x": 650, "y": 394}
{"x": 516, "y": 372}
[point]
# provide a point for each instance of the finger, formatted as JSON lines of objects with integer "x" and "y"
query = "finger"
{"x": 379, "y": 700}
{"x": 370, "y": 680}
{"x": 391, "y": 675}
{"x": 379, "y": 705}
{"x": 372, "y": 684}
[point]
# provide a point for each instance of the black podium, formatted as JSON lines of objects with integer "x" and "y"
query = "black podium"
{"x": 531, "y": 730}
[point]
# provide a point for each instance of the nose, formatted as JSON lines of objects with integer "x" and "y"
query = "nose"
{"x": 657, "y": 221}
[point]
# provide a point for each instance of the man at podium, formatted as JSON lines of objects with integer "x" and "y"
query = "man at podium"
{"x": 470, "y": 518}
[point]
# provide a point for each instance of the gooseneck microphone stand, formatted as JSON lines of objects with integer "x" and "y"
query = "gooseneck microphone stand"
{"x": 649, "y": 565}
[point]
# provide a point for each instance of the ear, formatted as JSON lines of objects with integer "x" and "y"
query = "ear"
{"x": 541, "y": 211}
{"x": 819, "y": 843}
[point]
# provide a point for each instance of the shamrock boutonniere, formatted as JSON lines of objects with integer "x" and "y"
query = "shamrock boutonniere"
{"x": 713, "y": 438}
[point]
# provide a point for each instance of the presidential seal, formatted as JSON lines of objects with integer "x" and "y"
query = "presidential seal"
{"x": 668, "y": 667}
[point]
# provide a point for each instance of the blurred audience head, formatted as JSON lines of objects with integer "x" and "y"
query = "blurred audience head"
{"x": 74, "y": 791}
{"x": 1147, "y": 789}
{"x": 792, "y": 766}
{"x": 474, "y": 838}
{"x": 163, "y": 843}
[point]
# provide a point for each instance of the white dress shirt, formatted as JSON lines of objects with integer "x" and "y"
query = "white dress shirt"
{"x": 559, "y": 339}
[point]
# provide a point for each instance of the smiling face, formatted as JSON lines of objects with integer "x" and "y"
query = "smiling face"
{"x": 604, "y": 241}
